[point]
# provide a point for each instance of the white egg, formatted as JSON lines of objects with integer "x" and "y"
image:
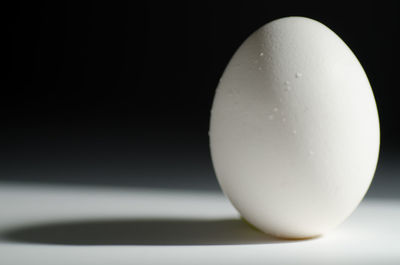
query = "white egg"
{"x": 294, "y": 129}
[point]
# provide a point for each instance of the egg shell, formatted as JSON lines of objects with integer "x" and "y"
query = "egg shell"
{"x": 294, "y": 129}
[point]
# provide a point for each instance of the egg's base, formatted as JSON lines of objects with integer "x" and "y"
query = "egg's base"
{"x": 291, "y": 238}
{"x": 283, "y": 237}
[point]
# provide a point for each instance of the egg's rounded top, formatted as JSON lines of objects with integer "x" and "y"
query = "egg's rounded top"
{"x": 294, "y": 129}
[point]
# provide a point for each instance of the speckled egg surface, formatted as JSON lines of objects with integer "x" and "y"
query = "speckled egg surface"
{"x": 294, "y": 130}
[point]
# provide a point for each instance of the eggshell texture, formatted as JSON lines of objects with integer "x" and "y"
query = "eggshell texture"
{"x": 294, "y": 129}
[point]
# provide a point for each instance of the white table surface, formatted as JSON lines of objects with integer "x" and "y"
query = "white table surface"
{"x": 50, "y": 224}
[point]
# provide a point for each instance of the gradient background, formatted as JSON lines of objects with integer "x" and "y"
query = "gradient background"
{"x": 108, "y": 94}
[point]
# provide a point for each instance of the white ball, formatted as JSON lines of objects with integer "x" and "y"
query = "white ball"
{"x": 294, "y": 129}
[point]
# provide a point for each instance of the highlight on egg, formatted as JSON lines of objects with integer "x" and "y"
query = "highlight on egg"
{"x": 294, "y": 129}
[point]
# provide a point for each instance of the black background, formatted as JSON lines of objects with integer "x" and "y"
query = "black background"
{"x": 107, "y": 93}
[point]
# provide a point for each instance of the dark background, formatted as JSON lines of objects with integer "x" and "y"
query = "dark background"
{"x": 119, "y": 94}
